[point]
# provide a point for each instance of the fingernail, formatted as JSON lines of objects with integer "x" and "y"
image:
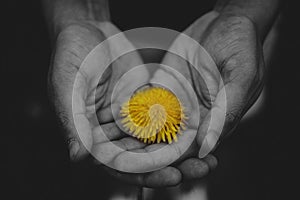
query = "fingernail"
{"x": 73, "y": 149}
{"x": 208, "y": 144}
{"x": 204, "y": 150}
{"x": 211, "y": 140}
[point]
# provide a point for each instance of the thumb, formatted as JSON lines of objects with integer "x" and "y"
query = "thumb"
{"x": 208, "y": 138}
{"x": 61, "y": 93}
{"x": 212, "y": 125}
{"x": 230, "y": 105}
{"x": 63, "y": 74}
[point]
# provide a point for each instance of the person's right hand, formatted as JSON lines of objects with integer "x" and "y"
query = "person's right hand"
{"x": 72, "y": 46}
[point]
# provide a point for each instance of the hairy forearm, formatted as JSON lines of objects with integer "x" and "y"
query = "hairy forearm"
{"x": 61, "y": 13}
{"x": 262, "y": 12}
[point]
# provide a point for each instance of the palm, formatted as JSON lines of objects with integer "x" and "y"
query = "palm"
{"x": 231, "y": 42}
{"x": 72, "y": 47}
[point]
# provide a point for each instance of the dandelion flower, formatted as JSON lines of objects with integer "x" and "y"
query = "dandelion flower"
{"x": 153, "y": 115}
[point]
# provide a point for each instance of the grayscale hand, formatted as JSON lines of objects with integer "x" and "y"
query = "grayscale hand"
{"x": 233, "y": 44}
{"x": 72, "y": 46}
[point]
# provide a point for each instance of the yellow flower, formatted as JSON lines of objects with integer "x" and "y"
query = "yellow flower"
{"x": 153, "y": 115}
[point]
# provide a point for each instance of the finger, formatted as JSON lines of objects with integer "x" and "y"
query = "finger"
{"x": 269, "y": 49}
{"x": 183, "y": 91}
{"x": 190, "y": 152}
{"x": 62, "y": 75}
{"x": 127, "y": 84}
{"x": 159, "y": 155}
{"x": 80, "y": 125}
{"x": 154, "y": 147}
{"x": 230, "y": 105}
{"x": 197, "y": 65}
{"x": 270, "y": 42}
{"x": 108, "y": 114}
{"x": 165, "y": 177}
{"x": 106, "y": 152}
{"x": 107, "y": 132}
{"x": 195, "y": 168}
{"x": 125, "y": 58}
{"x": 212, "y": 125}
{"x": 198, "y": 68}
{"x": 211, "y": 160}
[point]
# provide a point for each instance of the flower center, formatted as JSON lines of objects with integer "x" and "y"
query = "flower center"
{"x": 157, "y": 113}
{"x": 153, "y": 114}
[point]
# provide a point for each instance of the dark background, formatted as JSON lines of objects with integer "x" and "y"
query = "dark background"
{"x": 259, "y": 162}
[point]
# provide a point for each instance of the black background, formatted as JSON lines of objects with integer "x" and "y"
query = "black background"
{"x": 259, "y": 162}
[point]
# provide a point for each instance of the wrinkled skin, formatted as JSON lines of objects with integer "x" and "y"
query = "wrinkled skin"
{"x": 230, "y": 40}
{"x": 239, "y": 54}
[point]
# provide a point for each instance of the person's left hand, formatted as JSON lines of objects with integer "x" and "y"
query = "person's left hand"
{"x": 238, "y": 55}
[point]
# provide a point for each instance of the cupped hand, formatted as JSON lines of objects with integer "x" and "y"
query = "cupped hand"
{"x": 230, "y": 80}
{"x": 76, "y": 41}
{"x": 77, "y": 91}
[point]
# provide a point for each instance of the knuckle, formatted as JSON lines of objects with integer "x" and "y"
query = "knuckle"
{"x": 63, "y": 119}
{"x": 238, "y": 22}
{"x": 231, "y": 117}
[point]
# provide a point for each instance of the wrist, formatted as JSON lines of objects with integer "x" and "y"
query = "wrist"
{"x": 262, "y": 13}
{"x": 60, "y": 14}
{"x": 245, "y": 15}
